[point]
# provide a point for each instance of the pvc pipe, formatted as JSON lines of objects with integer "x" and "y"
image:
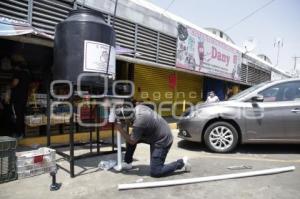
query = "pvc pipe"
{"x": 111, "y": 119}
{"x": 119, "y": 152}
{"x": 205, "y": 179}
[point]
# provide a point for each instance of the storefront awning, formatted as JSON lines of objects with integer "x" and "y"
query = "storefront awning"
{"x": 12, "y": 27}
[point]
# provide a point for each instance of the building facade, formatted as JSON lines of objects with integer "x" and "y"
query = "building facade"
{"x": 161, "y": 70}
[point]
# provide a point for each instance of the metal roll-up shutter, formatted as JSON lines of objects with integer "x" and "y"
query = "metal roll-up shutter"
{"x": 47, "y": 14}
{"x": 125, "y": 34}
{"x": 152, "y": 84}
{"x": 256, "y": 76}
{"x": 253, "y": 77}
{"x": 167, "y": 49}
{"x": 189, "y": 89}
{"x": 265, "y": 76}
{"x": 147, "y": 43}
{"x": 15, "y": 9}
{"x": 243, "y": 74}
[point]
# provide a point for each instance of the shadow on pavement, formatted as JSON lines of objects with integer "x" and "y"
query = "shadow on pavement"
{"x": 247, "y": 148}
{"x": 143, "y": 171}
{"x": 191, "y": 146}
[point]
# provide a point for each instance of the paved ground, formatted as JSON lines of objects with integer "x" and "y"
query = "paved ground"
{"x": 95, "y": 183}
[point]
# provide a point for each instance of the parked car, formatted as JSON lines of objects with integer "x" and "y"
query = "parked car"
{"x": 265, "y": 113}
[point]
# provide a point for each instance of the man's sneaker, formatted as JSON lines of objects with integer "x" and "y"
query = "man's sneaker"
{"x": 126, "y": 166}
{"x": 187, "y": 166}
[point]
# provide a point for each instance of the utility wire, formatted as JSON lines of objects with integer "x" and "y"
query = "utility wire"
{"x": 170, "y": 4}
{"x": 249, "y": 15}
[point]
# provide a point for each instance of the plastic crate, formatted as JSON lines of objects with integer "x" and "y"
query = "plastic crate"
{"x": 8, "y": 171}
{"x": 36, "y": 162}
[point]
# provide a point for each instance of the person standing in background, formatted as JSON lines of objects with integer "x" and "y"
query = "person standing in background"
{"x": 211, "y": 98}
{"x": 19, "y": 95}
{"x": 229, "y": 93}
{"x": 6, "y": 115}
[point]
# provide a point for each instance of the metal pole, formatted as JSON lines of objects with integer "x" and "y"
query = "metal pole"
{"x": 48, "y": 115}
{"x": 277, "y": 55}
{"x": 54, "y": 185}
{"x": 71, "y": 137}
{"x": 113, "y": 136}
{"x": 90, "y": 119}
{"x": 97, "y": 129}
{"x": 295, "y": 63}
{"x": 113, "y": 26}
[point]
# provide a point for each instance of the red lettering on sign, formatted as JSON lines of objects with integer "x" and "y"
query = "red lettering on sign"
{"x": 215, "y": 54}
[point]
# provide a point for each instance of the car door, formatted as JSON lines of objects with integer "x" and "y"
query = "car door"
{"x": 262, "y": 119}
{"x": 291, "y": 114}
{"x": 281, "y": 119}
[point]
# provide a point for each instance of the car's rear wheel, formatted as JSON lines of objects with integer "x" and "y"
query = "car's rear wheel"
{"x": 221, "y": 137}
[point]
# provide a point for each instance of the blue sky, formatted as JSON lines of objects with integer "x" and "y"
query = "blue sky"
{"x": 279, "y": 19}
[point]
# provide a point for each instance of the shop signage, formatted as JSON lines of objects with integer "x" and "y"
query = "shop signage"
{"x": 200, "y": 52}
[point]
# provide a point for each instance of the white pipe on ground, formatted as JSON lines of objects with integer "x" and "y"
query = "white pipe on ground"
{"x": 205, "y": 179}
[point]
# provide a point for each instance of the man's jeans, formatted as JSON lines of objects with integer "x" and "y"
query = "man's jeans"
{"x": 158, "y": 157}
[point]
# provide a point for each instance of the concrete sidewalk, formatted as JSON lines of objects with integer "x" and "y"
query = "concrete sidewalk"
{"x": 94, "y": 183}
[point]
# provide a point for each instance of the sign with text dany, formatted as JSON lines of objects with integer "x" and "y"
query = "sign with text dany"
{"x": 200, "y": 52}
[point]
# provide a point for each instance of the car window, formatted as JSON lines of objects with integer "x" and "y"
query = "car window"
{"x": 270, "y": 94}
{"x": 247, "y": 91}
{"x": 282, "y": 92}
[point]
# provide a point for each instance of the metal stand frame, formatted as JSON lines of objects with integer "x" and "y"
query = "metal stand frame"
{"x": 71, "y": 157}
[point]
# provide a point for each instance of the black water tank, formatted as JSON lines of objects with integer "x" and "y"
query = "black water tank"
{"x": 81, "y": 46}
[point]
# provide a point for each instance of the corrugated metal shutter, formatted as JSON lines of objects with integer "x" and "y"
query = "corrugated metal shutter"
{"x": 189, "y": 89}
{"x": 256, "y": 76}
{"x": 243, "y": 74}
{"x": 152, "y": 83}
{"x": 265, "y": 76}
{"x": 15, "y": 9}
{"x": 48, "y": 13}
{"x": 147, "y": 43}
{"x": 252, "y": 75}
{"x": 167, "y": 50}
{"x": 125, "y": 34}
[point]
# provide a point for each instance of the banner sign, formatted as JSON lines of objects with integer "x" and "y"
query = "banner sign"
{"x": 200, "y": 52}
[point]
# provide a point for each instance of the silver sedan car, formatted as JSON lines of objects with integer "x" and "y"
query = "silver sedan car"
{"x": 265, "y": 113}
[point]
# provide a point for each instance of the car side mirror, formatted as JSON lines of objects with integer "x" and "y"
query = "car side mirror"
{"x": 257, "y": 98}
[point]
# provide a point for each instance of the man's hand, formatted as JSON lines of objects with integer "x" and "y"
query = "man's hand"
{"x": 125, "y": 134}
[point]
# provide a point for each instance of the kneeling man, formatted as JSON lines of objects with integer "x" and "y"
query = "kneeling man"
{"x": 150, "y": 128}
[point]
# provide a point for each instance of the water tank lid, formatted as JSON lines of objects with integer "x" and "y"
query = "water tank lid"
{"x": 86, "y": 11}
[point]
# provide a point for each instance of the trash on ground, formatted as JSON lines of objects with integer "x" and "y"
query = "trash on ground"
{"x": 139, "y": 180}
{"x": 107, "y": 164}
{"x": 240, "y": 167}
